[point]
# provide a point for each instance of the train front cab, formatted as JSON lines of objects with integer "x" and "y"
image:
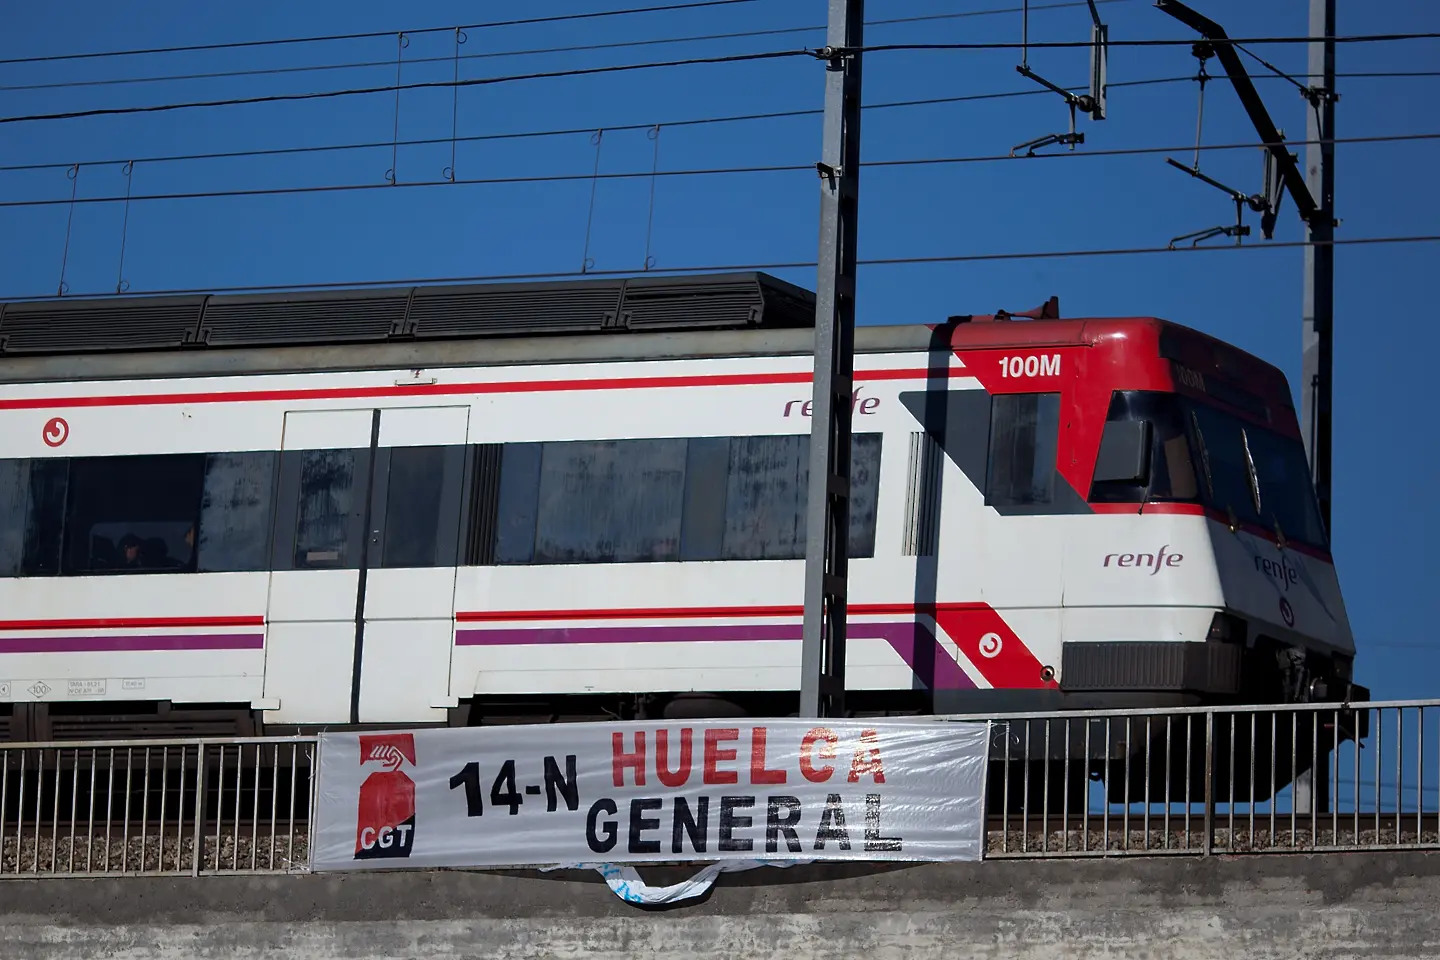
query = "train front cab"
{"x": 1211, "y": 464}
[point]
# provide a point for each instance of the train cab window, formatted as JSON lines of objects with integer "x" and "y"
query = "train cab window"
{"x": 132, "y": 514}
{"x": 1282, "y": 472}
{"x": 14, "y": 500}
{"x": 1024, "y": 434}
{"x": 331, "y": 509}
{"x": 235, "y": 511}
{"x": 1228, "y": 461}
{"x": 1263, "y": 476}
{"x": 1170, "y": 471}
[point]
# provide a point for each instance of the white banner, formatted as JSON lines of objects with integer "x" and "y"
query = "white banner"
{"x": 878, "y": 789}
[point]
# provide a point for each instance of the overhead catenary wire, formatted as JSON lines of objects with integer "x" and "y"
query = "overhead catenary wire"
{"x": 691, "y": 172}
{"x": 395, "y": 88}
{"x": 620, "y": 127}
{"x": 536, "y": 51}
{"x": 735, "y": 268}
{"x": 373, "y": 34}
{"x": 564, "y": 131}
{"x": 667, "y": 64}
{"x": 1087, "y": 44}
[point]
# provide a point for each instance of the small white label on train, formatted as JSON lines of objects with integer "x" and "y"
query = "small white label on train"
{"x": 132, "y": 684}
{"x": 85, "y": 688}
{"x": 1035, "y": 365}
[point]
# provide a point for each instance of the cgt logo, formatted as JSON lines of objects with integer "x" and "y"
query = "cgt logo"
{"x": 385, "y": 821}
{"x": 1151, "y": 561}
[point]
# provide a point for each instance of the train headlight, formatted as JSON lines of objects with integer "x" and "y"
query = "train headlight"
{"x": 1227, "y": 628}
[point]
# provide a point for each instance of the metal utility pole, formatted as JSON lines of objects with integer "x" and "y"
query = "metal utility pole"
{"x": 1312, "y": 788}
{"x": 1314, "y": 195}
{"x": 827, "y": 514}
{"x": 1318, "y": 310}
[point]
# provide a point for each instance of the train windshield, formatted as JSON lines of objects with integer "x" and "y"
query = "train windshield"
{"x": 1202, "y": 454}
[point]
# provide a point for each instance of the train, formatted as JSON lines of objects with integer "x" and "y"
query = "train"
{"x": 535, "y": 502}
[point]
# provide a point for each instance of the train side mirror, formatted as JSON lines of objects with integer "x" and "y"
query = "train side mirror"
{"x": 1124, "y": 453}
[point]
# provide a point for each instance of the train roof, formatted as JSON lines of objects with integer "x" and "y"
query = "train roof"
{"x": 380, "y": 315}
{"x": 510, "y": 323}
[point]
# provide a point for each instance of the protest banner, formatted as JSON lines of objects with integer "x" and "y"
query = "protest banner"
{"x": 788, "y": 789}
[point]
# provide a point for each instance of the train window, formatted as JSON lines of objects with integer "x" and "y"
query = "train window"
{"x": 864, "y": 493}
{"x": 518, "y": 503}
{"x": 132, "y": 514}
{"x": 235, "y": 511}
{"x": 1227, "y": 461}
{"x": 1024, "y": 433}
{"x": 331, "y": 507}
{"x": 632, "y": 501}
{"x": 412, "y": 507}
{"x": 1246, "y": 463}
{"x": 610, "y": 501}
{"x": 1172, "y": 469}
{"x": 707, "y": 476}
{"x": 768, "y": 489}
{"x": 765, "y": 498}
{"x": 45, "y": 517}
{"x": 1283, "y": 473}
{"x": 14, "y": 499}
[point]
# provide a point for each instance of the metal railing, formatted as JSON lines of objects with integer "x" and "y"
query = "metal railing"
{"x": 1189, "y": 782}
{"x": 1215, "y": 780}
{"x": 156, "y": 807}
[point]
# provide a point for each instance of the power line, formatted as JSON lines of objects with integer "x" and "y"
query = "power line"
{"x": 395, "y": 88}
{"x": 1087, "y": 44}
{"x": 731, "y": 58}
{"x": 574, "y": 48}
{"x": 616, "y": 128}
{"x": 371, "y": 35}
{"x": 693, "y": 172}
{"x": 736, "y": 268}
{"x": 566, "y": 131}
{"x": 1131, "y": 251}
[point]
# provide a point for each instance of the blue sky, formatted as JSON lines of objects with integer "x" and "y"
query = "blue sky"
{"x": 1385, "y": 516}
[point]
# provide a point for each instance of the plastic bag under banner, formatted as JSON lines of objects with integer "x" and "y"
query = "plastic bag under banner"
{"x": 626, "y": 884}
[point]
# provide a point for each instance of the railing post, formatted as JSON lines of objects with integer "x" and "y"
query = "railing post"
{"x": 1209, "y": 783}
{"x": 984, "y": 792}
{"x": 315, "y": 749}
{"x": 199, "y": 807}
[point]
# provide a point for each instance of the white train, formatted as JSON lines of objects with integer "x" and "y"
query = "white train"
{"x": 498, "y": 503}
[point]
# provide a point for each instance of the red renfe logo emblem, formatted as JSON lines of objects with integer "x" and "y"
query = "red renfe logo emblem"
{"x": 56, "y": 432}
{"x": 385, "y": 827}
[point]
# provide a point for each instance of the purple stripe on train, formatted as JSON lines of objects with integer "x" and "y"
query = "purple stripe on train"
{"x": 916, "y": 645}
{"x": 133, "y": 643}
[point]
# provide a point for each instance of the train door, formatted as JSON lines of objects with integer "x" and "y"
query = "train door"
{"x": 409, "y": 605}
{"x": 316, "y": 564}
{"x": 363, "y": 565}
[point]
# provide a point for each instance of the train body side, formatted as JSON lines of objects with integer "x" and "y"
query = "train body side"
{"x": 400, "y": 544}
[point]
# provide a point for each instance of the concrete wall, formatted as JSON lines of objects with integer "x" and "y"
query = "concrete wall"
{"x": 1313, "y": 907}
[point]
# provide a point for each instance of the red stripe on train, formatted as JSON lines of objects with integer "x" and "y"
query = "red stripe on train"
{"x": 460, "y": 389}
